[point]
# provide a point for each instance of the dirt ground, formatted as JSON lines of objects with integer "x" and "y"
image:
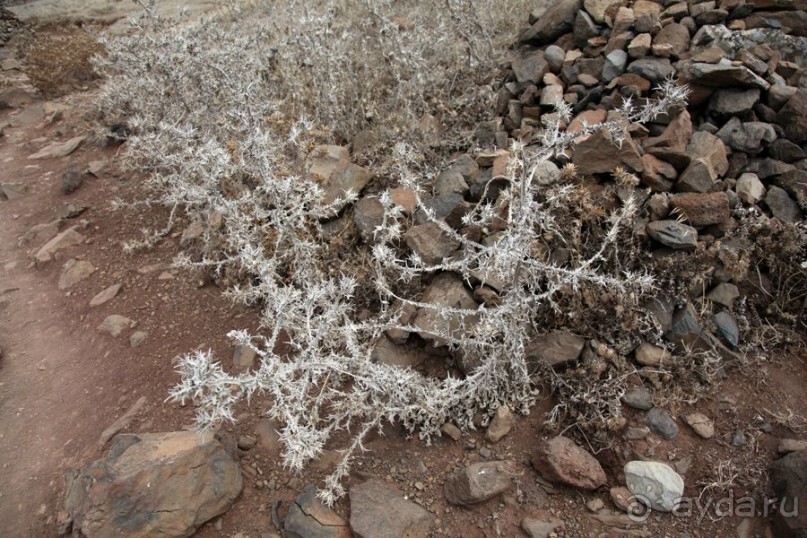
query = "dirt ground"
{"x": 63, "y": 382}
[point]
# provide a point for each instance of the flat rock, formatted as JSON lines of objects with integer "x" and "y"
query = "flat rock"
{"x": 786, "y": 446}
{"x": 724, "y": 294}
{"x": 66, "y": 239}
{"x": 556, "y": 348}
{"x": 661, "y": 423}
{"x": 58, "y": 149}
{"x": 404, "y": 356}
{"x": 597, "y": 153}
{"x": 674, "y": 35}
{"x": 530, "y": 66}
{"x": 377, "y": 511}
{"x": 560, "y": 460}
{"x": 650, "y": 355}
{"x": 41, "y": 233}
{"x": 653, "y": 69}
{"x": 73, "y": 272}
{"x": 782, "y": 205}
{"x": 540, "y": 525}
{"x": 115, "y": 324}
{"x": 673, "y": 234}
{"x": 309, "y": 518}
{"x": 722, "y": 76}
{"x": 654, "y": 484}
{"x": 727, "y": 327}
{"x": 702, "y": 209}
{"x": 638, "y": 398}
{"x": 13, "y": 190}
{"x": 552, "y": 23}
{"x": 106, "y": 295}
{"x": 160, "y": 484}
{"x": 479, "y": 482}
{"x": 733, "y": 101}
{"x": 700, "y": 424}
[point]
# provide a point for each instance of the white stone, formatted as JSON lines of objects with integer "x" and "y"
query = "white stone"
{"x": 654, "y": 484}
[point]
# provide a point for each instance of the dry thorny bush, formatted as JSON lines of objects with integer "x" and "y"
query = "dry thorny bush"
{"x": 222, "y": 115}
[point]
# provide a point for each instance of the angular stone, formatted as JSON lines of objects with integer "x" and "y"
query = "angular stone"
{"x": 331, "y": 168}
{"x": 160, "y": 484}
{"x": 722, "y": 76}
{"x": 793, "y": 117}
{"x": 702, "y": 209}
{"x": 405, "y": 199}
{"x": 727, "y": 327}
{"x": 138, "y": 338}
{"x": 707, "y": 146}
{"x": 244, "y": 358}
{"x": 479, "y": 482}
{"x": 551, "y": 95}
{"x": 58, "y": 149}
{"x": 13, "y": 190}
{"x": 530, "y": 66}
{"x": 782, "y": 205}
{"x": 639, "y": 46}
{"x": 653, "y": 69}
{"x": 309, "y": 518}
{"x": 388, "y": 352}
{"x": 699, "y": 176}
{"x": 750, "y": 189}
{"x": 676, "y": 36}
{"x": 115, "y": 324}
{"x": 784, "y": 150}
{"x": 786, "y": 446}
{"x": 431, "y": 243}
{"x": 685, "y": 330}
{"x": 790, "y": 485}
{"x": 795, "y": 183}
{"x": 561, "y": 461}
{"x": 647, "y": 15}
{"x": 638, "y": 398}
{"x": 724, "y": 294}
{"x": 73, "y": 272}
{"x": 553, "y": 23}
{"x": 556, "y": 348}
{"x": 615, "y": 62}
{"x": 649, "y": 355}
{"x": 598, "y": 8}
{"x": 700, "y": 424}
{"x": 768, "y": 168}
{"x": 68, "y": 238}
{"x": 750, "y": 137}
{"x": 673, "y": 234}
{"x": 540, "y": 525}
{"x": 584, "y": 28}
{"x": 587, "y": 117}
{"x": 733, "y": 101}
{"x": 368, "y": 214}
{"x": 41, "y": 233}
{"x": 445, "y": 290}
{"x": 377, "y": 511}
{"x": 501, "y": 424}
{"x": 658, "y": 175}
{"x": 676, "y": 136}
{"x": 655, "y": 484}
{"x": 598, "y": 154}
{"x": 661, "y": 423}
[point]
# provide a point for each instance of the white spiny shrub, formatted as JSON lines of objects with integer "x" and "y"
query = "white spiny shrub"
{"x": 223, "y": 113}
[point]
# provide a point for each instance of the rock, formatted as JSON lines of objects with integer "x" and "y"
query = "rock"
{"x": 700, "y": 424}
{"x": 13, "y": 191}
{"x": 621, "y": 497}
{"x": 71, "y": 181}
{"x": 121, "y": 423}
{"x": 615, "y": 62}
{"x": 597, "y": 153}
{"x": 551, "y": 95}
{"x": 331, "y": 168}
{"x": 377, "y": 511}
{"x": 703, "y": 145}
{"x": 654, "y": 484}
{"x": 530, "y": 66}
{"x": 676, "y": 36}
{"x": 41, "y": 233}
{"x": 779, "y": 95}
{"x": 702, "y": 209}
{"x": 138, "y": 338}
{"x": 479, "y": 482}
{"x": 554, "y": 56}
{"x": 106, "y": 295}
{"x": 661, "y": 423}
{"x": 452, "y": 431}
{"x": 768, "y": 168}
{"x": 430, "y": 243}
{"x": 449, "y": 207}
{"x": 161, "y": 484}
{"x": 368, "y": 214}
{"x": 587, "y": 117}
{"x": 73, "y": 272}
{"x": 733, "y": 101}
{"x": 546, "y": 172}
{"x": 244, "y": 358}
{"x": 584, "y": 29}
{"x": 540, "y": 525}
{"x": 673, "y": 234}
{"x": 638, "y": 398}
{"x": 639, "y": 46}
{"x": 501, "y": 424}
{"x": 450, "y": 182}
{"x": 727, "y": 328}
{"x": 556, "y": 348}
{"x": 784, "y": 150}
{"x": 675, "y": 137}
{"x": 116, "y": 324}
{"x": 721, "y": 76}
{"x": 388, "y": 352}
{"x": 646, "y": 14}
{"x": 598, "y": 8}
{"x": 750, "y": 137}
{"x": 653, "y": 69}
{"x": 782, "y": 205}
{"x": 58, "y": 149}
{"x": 68, "y": 238}
{"x": 750, "y": 189}
{"x": 786, "y": 446}
{"x": 406, "y": 199}
{"x": 790, "y": 485}
{"x": 445, "y": 290}
{"x": 724, "y": 294}
{"x": 553, "y": 23}
{"x": 793, "y": 117}
{"x": 699, "y": 176}
{"x": 650, "y": 355}
{"x": 795, "y": 183}
{"x": 560, "y": 460}
{"x": 685, "y": 330}
{"x": 194, "y": 231}
{"x": 70, "y": 211}
{"x": 309, "y": 518}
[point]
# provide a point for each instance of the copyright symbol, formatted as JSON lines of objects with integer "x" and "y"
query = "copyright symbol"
{"x": 639, "y": 509}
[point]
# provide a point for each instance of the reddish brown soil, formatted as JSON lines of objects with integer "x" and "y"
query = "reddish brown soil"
{"x": 62, "y": 382}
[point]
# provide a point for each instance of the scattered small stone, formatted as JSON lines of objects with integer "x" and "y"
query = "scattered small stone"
{"x": 595, "y": 505}
{"x": 650, "y": 355}
{"x": 71, "y": 181}
{"x": 621, "y": 497}
{"x": 106, "y": 295}
{"x": 68, "y": 238}
{"x": 638, "y": 398}
{"x": 138, "y": 338}
{"x": 115, "y": 324}
{"x": 738, "y": 439}
{"x": 673, "y": 234}
{"x": 541, "y": 525}
{"x": 452, "y": 431}
{"x": 727, "y": 327}
{"x": 58, "y": 149}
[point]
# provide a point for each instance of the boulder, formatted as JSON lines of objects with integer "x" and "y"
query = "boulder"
{"x": 157, "y": 484}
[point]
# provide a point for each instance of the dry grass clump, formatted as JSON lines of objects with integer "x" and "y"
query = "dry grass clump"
{"x": 57, "y": 59}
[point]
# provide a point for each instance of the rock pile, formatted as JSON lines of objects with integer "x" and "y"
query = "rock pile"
{"x": 9, "y": 24}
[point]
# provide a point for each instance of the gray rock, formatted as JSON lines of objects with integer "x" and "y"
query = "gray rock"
{"x": 41, "y": 233}
{"x": 786, "y": 446}
{"x": 727, "y": 328}
{"x": 750, "y": 189}
{"x": 615, "y": 62}
{"x": 479, "y": 482}
{"x": 653, "y": 69}
{"x": 733, "y": 101}
{"x": 404, "y": 356}
{"x": 552, "y": 23}
{"x": 71, "y": 181}
{"x": 430, "y": 243}
{"x": 795, "y": 183}
{"x": 768, "y": 168}
{"x": 597, "y": 8}
{"x": 584, "y": 28}
{"x": 540, "y": 525}
{"x": 244, "y": 358}
{"x": 58, "y": 149}
{"x": 445, "y": 207}
{"x": 685, "y": 330}
{"x": 782, "y": 205}
{"x": 750, "y": 137}
{"x": 377, "y": 511}
{"x": 638, "y": 398}
{"x": 554, "y": 56}
{"x": 331, "y": 168}
{"x": 73, "y": 272}
{"x": 13, "y": 190}
{"x": 661, "y": 423}
{"x": 106, "y": 295}
{"x": 556, "y": 348}
{"x": 786, "y": 151}
{"x": 560, "y": 460}
{"x": 115, "y": 324}
{"x": 673, "y": 234}
{"x": 446, "y": 289}
{"x": 138, "y": 338}
{"x": 501, "y": 424}
{"x": 309, "y": 518}
{"x": 724, "y": 294}
{"x": 699, "y": 176}
{"x": 722, "y": 76}
{"x": 654, "y": 484}
{"x": 793, "y": 117}
{"x": 790, "y": 485}
{"x": 368, "y": 214}
{"x": 530, "y": 66}
{"x": 161, "y": 484}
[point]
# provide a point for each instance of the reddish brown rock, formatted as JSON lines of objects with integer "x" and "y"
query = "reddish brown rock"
{"x": 561, "y": 461}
